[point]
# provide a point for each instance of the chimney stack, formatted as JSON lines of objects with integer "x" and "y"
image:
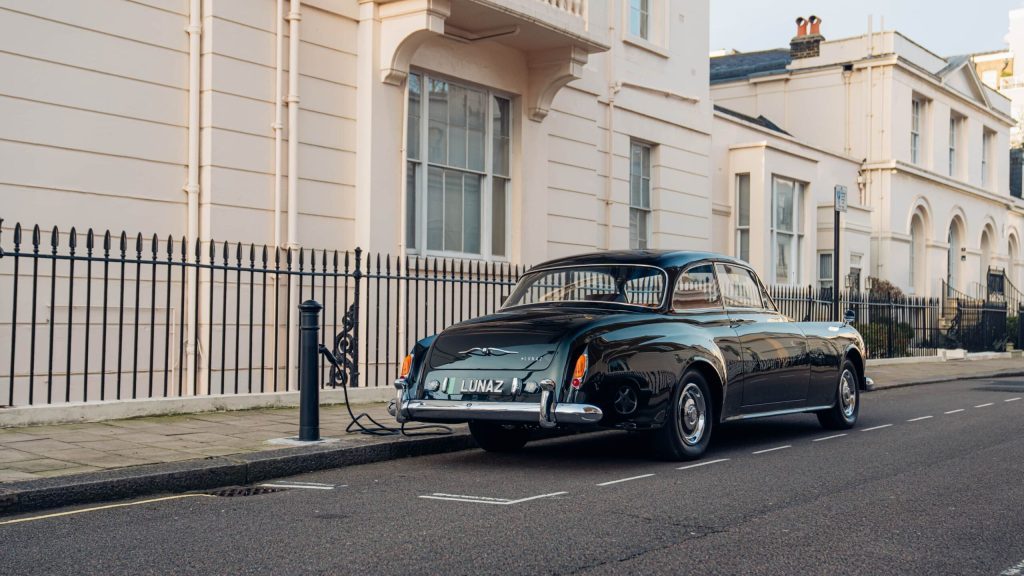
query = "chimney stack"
{"x": 806, "y": 44}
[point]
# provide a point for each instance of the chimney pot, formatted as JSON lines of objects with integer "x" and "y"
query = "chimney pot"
{"x": 801, "y": 27}
{"x": 815, "y": 25}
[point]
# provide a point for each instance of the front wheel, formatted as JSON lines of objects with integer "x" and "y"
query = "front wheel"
{"x": 687, "y": 432}
{"x": 499, "y": 437}
{"x": 843, "y": 415}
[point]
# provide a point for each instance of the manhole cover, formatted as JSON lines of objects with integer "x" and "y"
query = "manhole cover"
{"x": 245, "y": 491}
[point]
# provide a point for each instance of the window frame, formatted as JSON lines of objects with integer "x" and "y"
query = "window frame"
{"x": 916, "y": 117}
{"x": 761, "y": 291}
{"x": 797, "y": 234}
{"x": 986, "y": 157}
{"x": 643, "y": 211}
{"x": 831, "y": 269}
{"x": 742, "y": 229}
{"x": 643, "y": 10}
{"x": 956, "y": 121}
{"x": 714, "y": 273}
{"x": 488, "y": 175}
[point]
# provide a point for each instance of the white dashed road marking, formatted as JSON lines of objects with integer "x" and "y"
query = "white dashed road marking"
{"x": 828, "y": 437}
{"x": 774, "y": 449}
{"x": 687, "y": 467}
{"x": 1012, "y": 399}
{"x": 485, "y": 499}
{"x": 954, "y": 411}
{"x": 625, "y": 479}
{"x": 984, "y": 405}
{"x": 876, "y": 428}
{"x": 301, "y": 485}
{"x": 919, "y": 418}
{"x": 1015, "y": 570}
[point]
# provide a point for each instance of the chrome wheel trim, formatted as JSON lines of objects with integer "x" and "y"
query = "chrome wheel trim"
{"x": 848, "y": 394}
{"x": 692, "y": 419}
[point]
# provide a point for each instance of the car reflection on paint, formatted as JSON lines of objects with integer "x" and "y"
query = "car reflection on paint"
{"x": 669, "y": 342}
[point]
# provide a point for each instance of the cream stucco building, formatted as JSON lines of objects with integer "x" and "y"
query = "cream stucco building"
{"x": 930, "y": 141}
{"x": 499, "y": 130}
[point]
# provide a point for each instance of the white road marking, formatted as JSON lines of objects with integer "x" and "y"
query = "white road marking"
{"x": 1015, "y": 570}
{"x": 774, "y": 449}
{"x": 107, "y": 507}
{"x": 829, "y": 437}
{"x": 1012, "y": 399}
{"x": 625, "y": 480}
{"x": 876, "y": 428}
{"x": 698, "y": 464}
{"x": 302, "y": 486}
{"x": 954, "y": 411}
{"x": 486, "y": 500}
{"x": 984, "y": 405}
{"x": 919, "y": 418}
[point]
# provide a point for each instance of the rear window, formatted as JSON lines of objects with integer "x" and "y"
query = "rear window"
{"x": 633, "y": 285}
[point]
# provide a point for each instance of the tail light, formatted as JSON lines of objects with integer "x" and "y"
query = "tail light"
{"x": 406, "y": 366}
{"x": 580, "y": 371}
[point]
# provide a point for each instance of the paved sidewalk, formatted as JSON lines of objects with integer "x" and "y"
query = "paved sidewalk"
{"x": 912, "y": 373}
{"x": 48, "y": 451}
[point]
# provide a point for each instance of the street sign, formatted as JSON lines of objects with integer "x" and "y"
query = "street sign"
{"x": 841, "y": 203}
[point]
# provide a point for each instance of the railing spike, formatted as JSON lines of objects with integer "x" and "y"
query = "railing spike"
{"x": 155, "y": 245}
{"x": 265, "y": 255}
{"x": 54, "y": 238}
{"x": 252, "y": 255}
{"x": 106, "y": 241}
{"x": 138, "y": 244}
{"x": 170, "y": 246}
{"x": 225, "y": 251}
{"x": 37, "y": 237}
{"x": 90, "y": 240}
{"x": 73, "y": 239}
{"x": 17, "y": 234}
{"x": 123, "y": 242}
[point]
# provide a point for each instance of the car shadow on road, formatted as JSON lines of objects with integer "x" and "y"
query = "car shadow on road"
{"x": 600, "y": 449}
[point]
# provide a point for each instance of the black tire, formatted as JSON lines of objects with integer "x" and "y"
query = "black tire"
{"x": 687, "y": 430}
{"x": 843, "y": 415}
{"x": 498, "y": 437}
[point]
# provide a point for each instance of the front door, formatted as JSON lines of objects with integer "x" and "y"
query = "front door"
{"x": 775, "y": 368}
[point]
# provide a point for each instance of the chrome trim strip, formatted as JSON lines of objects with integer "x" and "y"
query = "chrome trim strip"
{"x": 462, "y": 411}
{"x": 779, "y": 412}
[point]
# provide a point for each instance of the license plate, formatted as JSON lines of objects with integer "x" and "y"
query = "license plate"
{"x": 496, "y": 386}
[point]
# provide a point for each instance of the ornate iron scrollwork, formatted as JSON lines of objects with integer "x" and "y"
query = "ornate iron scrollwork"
{"x": 344, "y": 359}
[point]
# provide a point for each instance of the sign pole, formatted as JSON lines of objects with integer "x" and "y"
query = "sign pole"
{"x": 840, "y": 206}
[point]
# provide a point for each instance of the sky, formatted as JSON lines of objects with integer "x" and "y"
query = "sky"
{"x": 946, "y": 27}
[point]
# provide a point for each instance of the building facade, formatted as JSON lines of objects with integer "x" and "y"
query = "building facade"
{"x": 514, "y": 131}
{"x": 930, "y": 139}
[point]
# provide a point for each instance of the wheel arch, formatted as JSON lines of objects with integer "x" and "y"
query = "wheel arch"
{"x": 855, "y": 357}
{"x": 715, "y": 384}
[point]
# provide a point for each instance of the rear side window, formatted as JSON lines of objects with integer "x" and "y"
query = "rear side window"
{"x": 739, "y": 287}
{"x": 696, "y": 288}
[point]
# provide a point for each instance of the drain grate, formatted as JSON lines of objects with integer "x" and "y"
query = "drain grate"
{"x": 239, "y": 491}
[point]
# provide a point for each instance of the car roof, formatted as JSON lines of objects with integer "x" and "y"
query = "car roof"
{"x": 660, "y": 258}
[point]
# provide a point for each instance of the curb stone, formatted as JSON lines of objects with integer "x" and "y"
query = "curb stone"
{"x": 939, "y": 379}
{"x": 211, "y": 473}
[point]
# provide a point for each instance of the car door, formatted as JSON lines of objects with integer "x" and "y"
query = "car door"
{"x": 697, "y": 300}
{"x": 775, "y": 367}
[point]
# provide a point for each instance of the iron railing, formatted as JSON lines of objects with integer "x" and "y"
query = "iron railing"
{"x": 95, "y": 317}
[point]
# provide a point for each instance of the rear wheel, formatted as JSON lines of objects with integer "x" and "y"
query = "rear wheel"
{"x": 843, "y": 415}
{"x": 499, "y": 437}
{"x": 687, "y": 432}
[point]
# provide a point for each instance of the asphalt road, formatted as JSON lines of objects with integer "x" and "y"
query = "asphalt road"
{"x": 930, "y": 482}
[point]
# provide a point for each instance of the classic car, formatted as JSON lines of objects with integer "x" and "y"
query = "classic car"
{"x": 670, "y": 343}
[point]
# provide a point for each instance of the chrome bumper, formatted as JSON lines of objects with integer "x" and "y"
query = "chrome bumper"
{"x": 547, "y": 413}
